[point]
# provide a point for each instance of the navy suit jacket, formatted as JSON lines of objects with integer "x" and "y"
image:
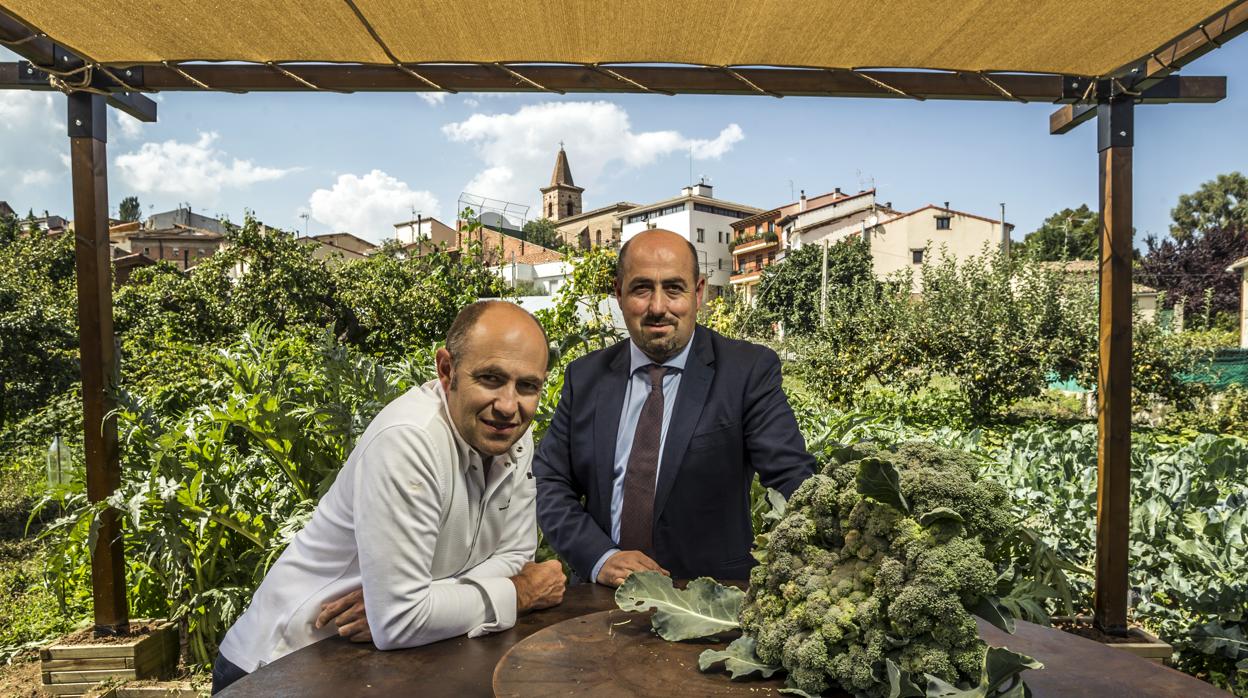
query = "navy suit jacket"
{"x": 730, "y": 420}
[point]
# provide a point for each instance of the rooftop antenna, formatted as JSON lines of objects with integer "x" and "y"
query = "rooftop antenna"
{"x": 691, "y": 165}
{"x": 791, "y": 195}
{"x": 304, "y": 216}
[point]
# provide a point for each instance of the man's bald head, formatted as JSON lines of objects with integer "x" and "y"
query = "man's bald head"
{"x": 502, "y": 315}
{"x": 661, "y": 237}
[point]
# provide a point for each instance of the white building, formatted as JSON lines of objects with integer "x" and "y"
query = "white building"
{"x": 547, "y": 276}
{"x": 835, "y": 220}
{"x": 423, "y": 228}
{"x": 701, "y": 219}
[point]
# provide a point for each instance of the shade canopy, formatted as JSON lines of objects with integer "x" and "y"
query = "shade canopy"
{"x": 1070, "y": 37}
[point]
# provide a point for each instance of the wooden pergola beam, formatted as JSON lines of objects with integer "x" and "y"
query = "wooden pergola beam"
{"x": 796, "y": 82}
{"x": 1205, "y": 37}
{"x": 1187, "y": 89}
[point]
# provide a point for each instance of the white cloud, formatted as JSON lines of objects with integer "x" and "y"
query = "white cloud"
{"x": 369, "y": 205}
{"x": 130, "y": 127}
{"x": 195, "y": 170}
{"x": 36, "y": 178}
{"x": 518, "y": 148}
{"x": 432, "y": 98}
{"x": 33, "y": 142}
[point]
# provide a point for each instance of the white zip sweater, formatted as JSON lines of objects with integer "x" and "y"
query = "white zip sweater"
{"x": 412, "y": 520}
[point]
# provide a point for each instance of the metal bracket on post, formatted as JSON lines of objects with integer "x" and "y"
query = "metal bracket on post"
{"x": 88, "y": 117}
{"x": 1115, "y": 124}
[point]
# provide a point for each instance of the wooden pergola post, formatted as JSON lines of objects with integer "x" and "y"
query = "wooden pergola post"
{"x": 1113, "y": 520}
{"x": 88, "y": 124}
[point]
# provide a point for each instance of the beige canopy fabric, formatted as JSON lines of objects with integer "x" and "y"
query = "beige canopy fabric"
{"x": 1074, "y": 37}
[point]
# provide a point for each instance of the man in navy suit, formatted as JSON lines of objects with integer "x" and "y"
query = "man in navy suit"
{"x": 648, "y": 460}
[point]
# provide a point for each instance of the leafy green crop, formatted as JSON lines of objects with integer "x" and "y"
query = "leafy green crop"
{"x": 702, "y": 609}
{"x": 868, "y": 581}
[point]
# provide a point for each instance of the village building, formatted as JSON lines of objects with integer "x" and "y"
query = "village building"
{"x": 762, "y": 239}
{"x": 425, "y": 231}
{"x": 703, "y": 220}
{"x": 184, "y": 217}
{"x": 182, "y": 246}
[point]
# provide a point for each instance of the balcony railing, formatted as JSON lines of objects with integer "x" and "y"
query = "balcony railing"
{"x": 769, "y": 236}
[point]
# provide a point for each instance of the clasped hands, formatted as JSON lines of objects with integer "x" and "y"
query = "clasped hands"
{"x": 538, "y": 585}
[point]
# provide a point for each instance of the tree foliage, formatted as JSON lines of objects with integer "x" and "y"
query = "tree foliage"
{"x": 129, "y": 210}
{"x": 1219, "y": 204}
{"x": 1192, "y": 271}
{"x": 38, "y": 319}
{"x": 542, "y": 231}
{"x": 790, "y": 292}
{"x": 1065, "y": 235}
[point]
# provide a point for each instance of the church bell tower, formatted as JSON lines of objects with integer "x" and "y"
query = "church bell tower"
{"x": 562, "y": 199}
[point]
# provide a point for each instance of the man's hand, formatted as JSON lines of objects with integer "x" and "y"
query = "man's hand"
{"x": 617, "y": 567}
{"x": 539, "y": 585}
{"x": 347, "y": 612}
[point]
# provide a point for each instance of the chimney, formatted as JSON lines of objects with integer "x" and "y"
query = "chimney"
{"x": 686, "y": 191}
{"x": 837, "y": 191}
{"x": 888, "y": 204}
{"x": 801, "y": 204}
{"x": 946, "y": 205}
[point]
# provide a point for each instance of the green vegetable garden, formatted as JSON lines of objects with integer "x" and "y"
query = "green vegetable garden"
{"x": 955, "y": 481}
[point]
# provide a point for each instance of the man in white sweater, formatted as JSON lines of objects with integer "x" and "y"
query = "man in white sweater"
{"x": 430, "y": 525}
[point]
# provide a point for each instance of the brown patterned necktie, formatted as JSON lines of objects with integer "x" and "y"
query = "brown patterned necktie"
{"x": 637, "y": 519}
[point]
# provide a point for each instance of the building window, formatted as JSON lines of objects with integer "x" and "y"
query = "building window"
{"x": 942, "y": 222}
{"x": 550, "y": 210}
{"x": 701, "y": 235}
{"x": 569, "y": 209}
{"x": 598, "y": 238}
{"x": 721, "y": 264}
{"x": 916, "y": 256}
{"x": 719, "y": 211}
{"x": 148, "y": 251}
{"x": 719, "y": 236}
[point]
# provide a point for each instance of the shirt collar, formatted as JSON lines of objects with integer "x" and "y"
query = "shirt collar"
{"x": 637, "y": 358}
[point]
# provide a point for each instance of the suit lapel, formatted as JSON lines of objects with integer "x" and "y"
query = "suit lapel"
{"x": 608, "y": 404}
{"x": 695, "y": 384}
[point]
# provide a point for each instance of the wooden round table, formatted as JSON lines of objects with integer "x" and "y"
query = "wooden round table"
{"x": 1074, "y": 667}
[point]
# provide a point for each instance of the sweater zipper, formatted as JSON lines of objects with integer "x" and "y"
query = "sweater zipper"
{"x": 472, "y": 548}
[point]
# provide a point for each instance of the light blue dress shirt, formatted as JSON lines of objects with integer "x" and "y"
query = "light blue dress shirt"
{"x": 635, "y": 393}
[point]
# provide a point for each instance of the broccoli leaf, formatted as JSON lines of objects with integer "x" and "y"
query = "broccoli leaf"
{"x": 739, "y": 659}
{"x": 878, "y": 480}
{"x": 702, "y": 609}
{"x": 778, "y": 505}
{"x": 990, "y": 609}
{"x": 998, "y": 677}
{"x": 944, "y": 522}
{"x": 1217, "y": 638}
{"x": 900, "y": 682}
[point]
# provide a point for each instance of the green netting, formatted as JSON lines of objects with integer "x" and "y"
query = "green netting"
{"x": 1226, "y": 367}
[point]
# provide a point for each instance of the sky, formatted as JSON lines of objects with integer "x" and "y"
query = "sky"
{"x": 360, "y": 163}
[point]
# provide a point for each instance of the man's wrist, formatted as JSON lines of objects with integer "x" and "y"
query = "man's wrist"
{"x": 601, "y": 561}
{"x": 522, "y": 593}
